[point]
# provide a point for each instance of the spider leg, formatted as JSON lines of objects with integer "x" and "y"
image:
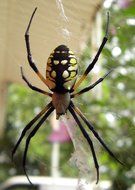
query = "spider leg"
{"x": 29, "y": 55}
{"x": 91, "y": 86}
{"x": 33, "y": 87}
{"x": 85, "y": 134}
{"x": 90, "y": 67}
{"x": 90, "y": 126}
{"x": 28, "y": 126}
{"x": 33, "y": 132}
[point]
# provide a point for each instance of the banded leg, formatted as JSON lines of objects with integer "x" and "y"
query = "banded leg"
{"x": 33, "y": 87}
{"x": 90, "y": 67}
{"x": 91, "y": 86}
{"x": 29, "y": 55}
{"x": 90, "y": 126}
{"x": 33, "y": 132}
{"x": 85, "y": 134}
{"x": 28, "y": 126}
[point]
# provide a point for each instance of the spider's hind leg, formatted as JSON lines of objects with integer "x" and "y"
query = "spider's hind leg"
{"x": 33, "y": 132}
{"x": 85, "y": 134}
{"x": 28, "y": 126}
{"x": 91, "y": 128}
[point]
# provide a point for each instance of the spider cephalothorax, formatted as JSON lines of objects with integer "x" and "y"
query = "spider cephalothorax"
{"x": 61, "y": 75}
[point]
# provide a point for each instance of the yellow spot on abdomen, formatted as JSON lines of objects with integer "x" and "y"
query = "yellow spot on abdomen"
{"x": 53, "y": 74}
{"x": 67, "y": 85}
{"x": 63, "y": 52}
{"x": 56, "y": 62}
{"x": 73, "y": 61}
{"x": 48, "y": 68}
{"x": 49, "y": 60}
{"x": 63, "y": 62}
{"x": 71, "y": 68}
{"x": 65, "y": 74}
{"x": 71, "y": 52}
{"x": 73, "y": 74}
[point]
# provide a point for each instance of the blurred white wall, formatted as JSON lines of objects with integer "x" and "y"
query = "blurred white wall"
{"x": 47, "y": 32}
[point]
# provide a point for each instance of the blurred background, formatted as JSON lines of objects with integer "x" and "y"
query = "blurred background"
{"x": 110, "y": 106}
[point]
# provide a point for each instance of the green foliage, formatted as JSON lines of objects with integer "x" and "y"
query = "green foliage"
{"x": 23, "y": 104}
{"x": 119, "y": 103}
{"x": 112, "y": 114}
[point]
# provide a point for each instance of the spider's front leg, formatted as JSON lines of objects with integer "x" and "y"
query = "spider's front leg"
{"x": 91, "y": 86}
{"x": 90, "y": 67}
{"x": 34, "y": 87}
{"x": 29, "y": 55}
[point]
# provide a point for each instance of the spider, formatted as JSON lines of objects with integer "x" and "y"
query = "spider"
{"x": 61, "y": 79}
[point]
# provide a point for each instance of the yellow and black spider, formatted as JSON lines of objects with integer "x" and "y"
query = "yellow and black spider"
{"x": 61, "y": 75}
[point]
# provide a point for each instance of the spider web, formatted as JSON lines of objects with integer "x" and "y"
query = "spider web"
{"x": 81, "y": 154}
{"x": 66, "y": 34}
{"x": 81, "y": 148}
{"x": 80, "y": 158}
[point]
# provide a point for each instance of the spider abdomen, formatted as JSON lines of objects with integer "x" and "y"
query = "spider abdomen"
{"x": 62, "y": 70}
